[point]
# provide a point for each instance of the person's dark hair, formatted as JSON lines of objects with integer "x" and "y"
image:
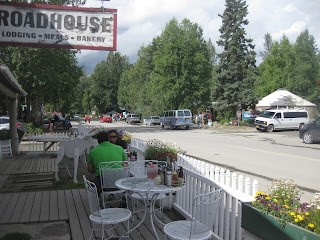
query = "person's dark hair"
{"x": 114, "y": 131}
{"x": 102, "y": 137}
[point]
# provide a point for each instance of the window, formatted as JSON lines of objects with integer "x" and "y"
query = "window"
{"x": 180, "y": 114}
{"x": 166, "y": 114}
{"x": 171, "y": 114}
{"x": 187, "y": 113}
{"x": 295, "y": 114}
{"x": 278, "y": 115}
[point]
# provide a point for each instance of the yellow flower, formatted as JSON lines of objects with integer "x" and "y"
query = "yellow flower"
{"x": 296, "y": 220}
{"x": 267, "y": 198}
{"x": 292, "y": 214}
{"x": 275, "y": 200}
{"x": 257, "y": 193}
{"x": 307, "y": 214}
{"x": 269, "y": 205}
{"x": 311, "y": 225}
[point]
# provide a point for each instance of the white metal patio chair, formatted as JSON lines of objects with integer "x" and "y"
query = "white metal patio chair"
{"x": 110, "y": 172}
{"x": 104, "y": 217}
{"x": 204, "y": 210}
{"x": 6, "y": 147}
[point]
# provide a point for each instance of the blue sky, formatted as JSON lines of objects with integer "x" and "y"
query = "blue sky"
{"x": 139, "y": 21}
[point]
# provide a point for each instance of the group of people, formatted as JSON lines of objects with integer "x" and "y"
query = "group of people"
{"x": 202, "y": 119}
{"x": 111, "y": 148}
{"x": 87, "y": 118}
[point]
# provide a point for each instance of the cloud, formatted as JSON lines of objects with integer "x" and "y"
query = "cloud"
{"x": 139, "y": 21}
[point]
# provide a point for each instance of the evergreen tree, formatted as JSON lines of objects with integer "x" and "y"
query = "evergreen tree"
{"x": 236, "y": 76}
{"x": 267, "y": 45}
{"x": 307, "y": 70}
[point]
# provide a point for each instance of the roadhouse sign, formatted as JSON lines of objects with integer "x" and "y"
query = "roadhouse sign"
{"x": 39, "y": 25}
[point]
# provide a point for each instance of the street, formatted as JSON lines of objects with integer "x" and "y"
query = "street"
{"x": 258, "y": 155}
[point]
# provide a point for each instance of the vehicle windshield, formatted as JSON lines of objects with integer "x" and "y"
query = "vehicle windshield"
{"x": 268, "y": 114}
{"x": 135, "y": 115}
{"x": 155, "y": 117}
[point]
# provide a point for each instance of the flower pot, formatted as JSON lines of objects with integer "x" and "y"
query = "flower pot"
{"x": 267, "y": 227}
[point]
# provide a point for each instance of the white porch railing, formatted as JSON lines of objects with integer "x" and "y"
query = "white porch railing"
{"x": 201, "y": 177}
{"x": 37, "y": 142}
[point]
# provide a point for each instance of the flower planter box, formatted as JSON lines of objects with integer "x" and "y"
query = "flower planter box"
{"x": 267, "y": 227}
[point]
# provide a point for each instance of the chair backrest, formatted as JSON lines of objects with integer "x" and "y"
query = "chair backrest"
{"x": 110, "y": 172}
{"x": 138, "y": 168}
{"x": 204, "y": 209}
{"x": 6, "y": 147}
{"x": 93, "y": 198}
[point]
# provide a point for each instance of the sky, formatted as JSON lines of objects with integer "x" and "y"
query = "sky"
{"x": 139, "y": 21}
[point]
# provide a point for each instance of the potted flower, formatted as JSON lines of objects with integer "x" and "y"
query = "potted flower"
{"x": 125, "y": 136}
{"x": 280, "y": 215}
{"x": 161, "y": 151}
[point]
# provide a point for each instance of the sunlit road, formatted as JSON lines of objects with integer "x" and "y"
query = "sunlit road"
{"x": 259, "y": 155}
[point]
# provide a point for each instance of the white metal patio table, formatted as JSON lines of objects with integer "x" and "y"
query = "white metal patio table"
{"x": 141, "y": 185}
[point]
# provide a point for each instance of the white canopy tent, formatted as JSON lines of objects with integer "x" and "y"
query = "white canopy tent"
{"x": 285, "y": 99}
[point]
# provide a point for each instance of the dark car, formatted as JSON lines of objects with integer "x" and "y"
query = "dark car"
{"x": 310, "y": 132}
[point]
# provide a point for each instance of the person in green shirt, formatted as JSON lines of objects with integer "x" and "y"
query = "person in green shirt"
{"x": 104, "y": 152}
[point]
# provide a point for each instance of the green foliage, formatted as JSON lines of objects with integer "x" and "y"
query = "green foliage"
{"x": 173, "y": 72}
{"x": 48, "y": 75}
{"x": 283, "y": 203}
{"x": 295, "y": 67}
{"x": 236, "y": 71}
{"x": 30, "y": 128}
{"x": 105, "y": 79}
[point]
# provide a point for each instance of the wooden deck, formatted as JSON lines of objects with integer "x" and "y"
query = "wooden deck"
{"x": 70, "y": 206}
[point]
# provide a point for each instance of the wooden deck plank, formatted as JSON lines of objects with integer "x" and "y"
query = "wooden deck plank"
{"x": 26, "y": 213}
{"x": 24, "y": 167}
{"x": 31, "y": 166}
{"x": 41, "y": 165}
{"x": 62, "y": 206}
{"x": 53, "y": 160}
{"x": 4, "y": 204}
{"x": 19, "y": 208}
{"x": 45, "y": 207}
{"x": 82, "y": 214}
{"x": 53, "y": 208}
{"x": 37, "y": 167}
{"x": 73, "y": 217}
{"x": 45, "y": 167}
{"x": 35, "y": 212}
{"x": 10, "y": 208}
{"x": 11, "y": 168}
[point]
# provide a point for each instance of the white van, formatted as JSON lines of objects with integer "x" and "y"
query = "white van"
{"x": 176, "y": 118}
{"x": 281, "y": 119}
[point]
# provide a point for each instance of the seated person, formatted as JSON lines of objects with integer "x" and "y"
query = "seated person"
{"x": 67, "y": 123}
{"x": 104, "y": 152}
{"x": 115, "y": 139}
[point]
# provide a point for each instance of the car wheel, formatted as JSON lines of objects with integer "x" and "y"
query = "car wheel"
{"x": 162, "y": 126}
{"x": 270, "y": 128}
{"x": 187, "y": 127}
{"x": 307, "y": 137}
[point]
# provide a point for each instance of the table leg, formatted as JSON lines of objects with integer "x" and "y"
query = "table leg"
{"x": 146, "y": 210}
{"x": 152, "y": 213}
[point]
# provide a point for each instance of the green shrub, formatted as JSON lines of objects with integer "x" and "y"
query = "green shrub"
{"x": 30, "y": 128}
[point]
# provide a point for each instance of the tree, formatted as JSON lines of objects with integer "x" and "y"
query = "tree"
{"x": 307, "y": 70}
{"x": 277, "y": 69}
{"x": 105, "y": 78}
{"x": 267, "y": 45}
{"x": 182, "y": 68}
{"x": 237, "y": 72}
{"x": 49, "y": 76}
